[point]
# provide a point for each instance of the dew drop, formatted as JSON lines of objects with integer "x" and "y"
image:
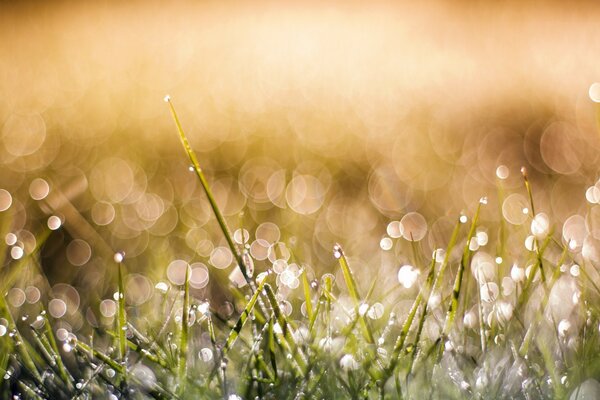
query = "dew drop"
{"x": 162, "y": 287}
{"x": 167, "y": 98}
{"x": 337, "y": 251}
{"x": 119, "y": 257}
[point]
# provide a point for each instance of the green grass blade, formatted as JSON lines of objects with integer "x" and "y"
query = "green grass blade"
{"x": 183, "y": 344}
{"x": 352, "y": 288}
{"x": 296, "y": 352}
{"x": 121, "y": 319}
{"x": 209, "y": 194}
{"x": 452, "y": 309}
{"x": 235, "y": 332}
{"x": 307, "y": 296}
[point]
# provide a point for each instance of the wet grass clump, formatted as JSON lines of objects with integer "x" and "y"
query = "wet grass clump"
{"x": 459, "y": 323}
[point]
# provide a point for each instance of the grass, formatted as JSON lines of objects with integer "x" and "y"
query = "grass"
{"x": 343, "y": 345}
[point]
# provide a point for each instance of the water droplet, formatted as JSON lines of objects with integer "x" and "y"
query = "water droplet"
{"x": 575, "y": 270}
{"x": 167, "y": 98}
{"x": 348, "y": 363}
{"x": 110, "y": 373}
{"x": 463, "y": 219}
{"x": 337, "y": 251}
{"x": 119, "y": 256}
{"x": 470, "y": 320}
{"x": 204, "y": 307}
{"x": 483, "y": 200}
{"x": 563, "y": 328}
{"x": 489, "y": 292}
{"x": 162, "y": 287}
{"x": 375, "y": 311}
{"x": 540, "y": 225}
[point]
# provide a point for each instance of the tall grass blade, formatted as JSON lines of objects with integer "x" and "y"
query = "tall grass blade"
{"x": 452, "y": 309}
{"x": 209, "y": 194}
{"x": 183, "y": 343}
{"x": 121, "y": 318}
{"x": 352, "y": 288}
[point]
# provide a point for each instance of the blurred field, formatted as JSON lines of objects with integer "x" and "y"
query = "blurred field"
{"x": 326, "y": 121}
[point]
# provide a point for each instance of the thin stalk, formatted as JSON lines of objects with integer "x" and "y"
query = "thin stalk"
{"x": 122, "y": 318}
{"x": 352, "y": 288}
{"x": 535, "y": 239}
{"x": 451, "y": 314}
{"x": 209, "y": 194}
{"x": 183, "y": 344}
{"x": 307, "y": 297}
{"x": 285, "y": 330}
{"x": 234, "y": 333}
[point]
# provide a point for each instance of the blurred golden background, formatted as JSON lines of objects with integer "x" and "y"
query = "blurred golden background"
{"x": 319, "y": 122}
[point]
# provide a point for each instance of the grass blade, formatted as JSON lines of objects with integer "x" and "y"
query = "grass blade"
{"x": 122, "y": 317}
{"x": 209, "y": 194}
{"x": 352, "y": 288}
{"x": 183, "y": 344}
{"x": 452, "y": 309}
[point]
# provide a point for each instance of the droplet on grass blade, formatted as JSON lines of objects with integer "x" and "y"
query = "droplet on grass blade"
{"x": 348, "y": 363}
{"x": 540, "y": 225}
{"x": 489, "y": 292}
{"x": 167, "y": 98}
{"x": 119, "y": 257}
{"x": 337, "y": 251}
{"x": 563, "y": 328}
{"x": 162, "y": 287}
